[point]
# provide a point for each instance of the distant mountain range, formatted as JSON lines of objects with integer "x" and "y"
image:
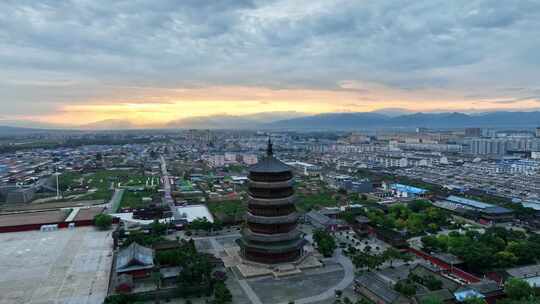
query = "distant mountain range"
{"x": 232, "y": 121}
{"x": 390, "y": 118}
{"x": 370, "y": 120}
{"x": 8, "y": 130}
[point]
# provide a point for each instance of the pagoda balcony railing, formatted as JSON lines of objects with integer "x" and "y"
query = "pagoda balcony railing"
{"x": 264, "y": 248}
{"x": 271, "y": 193}
{"x": 274, "y": 258}
{"x": 271, "y": 210}
{"x": 290, "y": 218}
{"x": 271, "y": 228}
{"x": 271, "y": 185}
{"x": 269, "y": 238}
{"x": 271, "y": 201}
{"x": 270, "y": 177}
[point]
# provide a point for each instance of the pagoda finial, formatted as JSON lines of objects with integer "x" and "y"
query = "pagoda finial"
{"x": 269, "y": 150}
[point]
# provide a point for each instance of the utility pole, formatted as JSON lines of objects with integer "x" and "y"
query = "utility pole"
{"x": 57, "y": 182}
{"x": 57, "y": 187}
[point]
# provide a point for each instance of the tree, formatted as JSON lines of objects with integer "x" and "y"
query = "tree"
{"x": 406, "y": 287}
{"x": 103, "y": 221}
{"x": 504, "y": 259}
{"x": 158, "y": 228}
{"x": 432, "y": 300}
{"x": 432, "y": 283}
{"x": 474, "y": 300}
{"x": 415, "y": 223}
{"x": 419, "y": 205}
{"x": 156, "y": 277}
{"x": 120, "y": 299}
{"x": 325, "y": 242}
{"x": 371, "y": 261}
{"x": 391, "y": 254}
{"x": 517, "y": 289}
{"x": 201, "y": 224}
{"x": 432, "y": 243}
{"x": 349, "y": 217}
{"x": 222, "y": 294}
{"x": 522, "y": 251}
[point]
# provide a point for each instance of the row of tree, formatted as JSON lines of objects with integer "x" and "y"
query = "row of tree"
{"x": 497, "y": 248}
{"x": 366, "y": 259}
{"x": 416, "y": 218}
{"x": 196, "y": 274}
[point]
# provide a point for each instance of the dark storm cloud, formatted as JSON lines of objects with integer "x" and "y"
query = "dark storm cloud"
{"x": 59, "y": 51}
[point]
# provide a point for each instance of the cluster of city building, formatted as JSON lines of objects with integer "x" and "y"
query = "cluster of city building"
{"x": 268, "y": 203}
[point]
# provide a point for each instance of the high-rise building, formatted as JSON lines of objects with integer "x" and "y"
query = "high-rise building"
{"x": 271, "y": 235}
{"x": 473, "y": 132}
{"x": 493, "y": 147}
{"x": 537, "y": 132}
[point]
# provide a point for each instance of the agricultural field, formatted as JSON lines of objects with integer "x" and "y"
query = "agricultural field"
{"x": 228, "y": 211}
{"x": 100, "y": 184}
{"x": 305, "y": 203}
{"x": 134, "y": 199}
{"x": 138, "y": 180}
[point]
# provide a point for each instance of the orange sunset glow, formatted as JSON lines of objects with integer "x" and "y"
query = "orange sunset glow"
{"x": 167, "y": 105}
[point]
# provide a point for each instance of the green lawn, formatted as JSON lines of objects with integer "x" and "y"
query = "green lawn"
{"x": 305, "y": 203}
{"x": 133, "y": 199}
{"x": 228, "y": 210}
{"x": 100, "y": 182}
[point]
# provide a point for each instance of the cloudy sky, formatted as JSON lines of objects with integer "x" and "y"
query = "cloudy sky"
{"x": 81, "y": 61}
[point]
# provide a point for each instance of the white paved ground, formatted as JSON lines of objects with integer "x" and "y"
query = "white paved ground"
{"x": 347, "y": 280}
{"x": 64, "y": 266}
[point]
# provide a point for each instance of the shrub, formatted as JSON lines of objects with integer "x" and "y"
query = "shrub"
{"x": 103, "y": 221}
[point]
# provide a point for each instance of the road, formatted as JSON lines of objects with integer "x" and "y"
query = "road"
{"x": 167, "y": 188}
{"x": 114, "y": 203}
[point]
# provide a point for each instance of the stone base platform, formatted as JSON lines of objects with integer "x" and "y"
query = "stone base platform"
{"x": 249, "y": 269}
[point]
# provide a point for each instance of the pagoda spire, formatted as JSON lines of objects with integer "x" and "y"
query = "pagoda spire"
{"x": 269, "y": 151}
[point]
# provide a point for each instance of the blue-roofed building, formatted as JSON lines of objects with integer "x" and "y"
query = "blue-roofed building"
{"x": 534, "y": 205}
{"x": 488, "y": 290}
{"x": 402, "y": 190}
{"x": 485, "y": 211}
{"x": 463, "y": 295}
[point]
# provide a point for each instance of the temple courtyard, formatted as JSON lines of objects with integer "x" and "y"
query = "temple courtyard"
{"x": 314, "y": 283}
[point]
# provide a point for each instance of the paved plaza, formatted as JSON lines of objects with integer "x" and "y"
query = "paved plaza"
{"x": 270, "y": 290}
{"x": 64, "y": 266}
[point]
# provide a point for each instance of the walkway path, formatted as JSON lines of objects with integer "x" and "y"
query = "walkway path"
{"x": 216, "y": 245}
{"x": 249, "y": 292}
{"x": 72, "y": 214}
{"x": 114, "y": 203}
